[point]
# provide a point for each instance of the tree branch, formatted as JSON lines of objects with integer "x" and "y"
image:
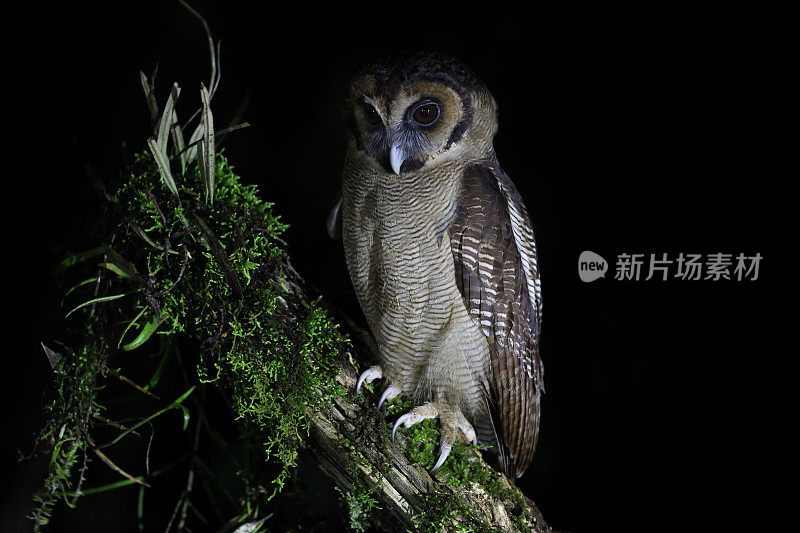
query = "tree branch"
{"x": 404, "y": 491}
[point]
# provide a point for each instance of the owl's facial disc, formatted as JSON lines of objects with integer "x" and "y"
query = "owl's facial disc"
{"x": 409, "y": 125}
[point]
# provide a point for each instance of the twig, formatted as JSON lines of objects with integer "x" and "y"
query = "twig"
{"x": 128, "y": 381}
{"x": 180, "y": 274}
{"x": 113, "y": 466}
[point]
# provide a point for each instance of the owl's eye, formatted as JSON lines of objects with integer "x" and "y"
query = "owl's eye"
{"x": 426, "y": 113}
{"x": 371, "y": 115}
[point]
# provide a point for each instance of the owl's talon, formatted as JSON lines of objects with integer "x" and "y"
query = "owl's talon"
{"x": 390, "y": 392}
{"x": 445, "y": 452}
{"x": 369, "y": 375}
{"x": 400, "y": 421}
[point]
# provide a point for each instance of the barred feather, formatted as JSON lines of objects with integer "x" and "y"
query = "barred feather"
{"x": 496, "y": 271}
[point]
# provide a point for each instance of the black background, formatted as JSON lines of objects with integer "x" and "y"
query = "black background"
{"x": 628, "y": 128}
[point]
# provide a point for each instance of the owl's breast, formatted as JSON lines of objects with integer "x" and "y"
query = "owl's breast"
{"x": 393, "y": 253}
{"x": 392, "y": 230}
{"x": 401, "y": 265}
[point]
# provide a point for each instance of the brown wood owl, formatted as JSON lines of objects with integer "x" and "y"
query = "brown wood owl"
{"x": 440, "y": 250}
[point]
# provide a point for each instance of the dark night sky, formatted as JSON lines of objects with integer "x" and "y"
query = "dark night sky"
{"x": 628, "y": 129}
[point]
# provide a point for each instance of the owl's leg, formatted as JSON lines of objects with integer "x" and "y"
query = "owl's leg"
{"x": 369, "y": 375}
{"x": 451, "y": 419}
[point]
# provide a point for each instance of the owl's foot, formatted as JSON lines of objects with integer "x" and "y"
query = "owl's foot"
{"x": 451, "y": 419}
{"x": 369, "y": 375}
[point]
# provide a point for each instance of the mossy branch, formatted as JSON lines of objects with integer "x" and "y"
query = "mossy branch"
{"x": 267, "y": 342}
{"x": 384, "y": 482}
{"x": 193, "y": 258}
{"x": 388, "y": 483}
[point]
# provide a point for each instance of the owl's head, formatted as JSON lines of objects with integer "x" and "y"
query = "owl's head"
{"x": 413, "y": 111}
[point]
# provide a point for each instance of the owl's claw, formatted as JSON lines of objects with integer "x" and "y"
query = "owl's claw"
{"x": 369, "y": 375}
{"x": 450, "y": 419}
{"x": 390, "y": 392}
{"x": 445, "y": 452}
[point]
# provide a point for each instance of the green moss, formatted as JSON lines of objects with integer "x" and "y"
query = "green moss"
{"x": 462, "y": 469}
{"x": 359, "y": 502}
{"x": 273, "y": 382}
{"x": 445, "y": 511}
{"x": 192, "y": 271}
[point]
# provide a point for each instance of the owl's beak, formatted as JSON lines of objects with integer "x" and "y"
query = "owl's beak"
{"x": 397, "y": 157}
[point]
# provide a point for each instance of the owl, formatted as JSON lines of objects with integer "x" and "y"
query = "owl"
{"x": 441, "y": 253}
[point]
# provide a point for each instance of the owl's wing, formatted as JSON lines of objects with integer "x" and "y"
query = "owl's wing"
{"x": 496, "y": 271}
